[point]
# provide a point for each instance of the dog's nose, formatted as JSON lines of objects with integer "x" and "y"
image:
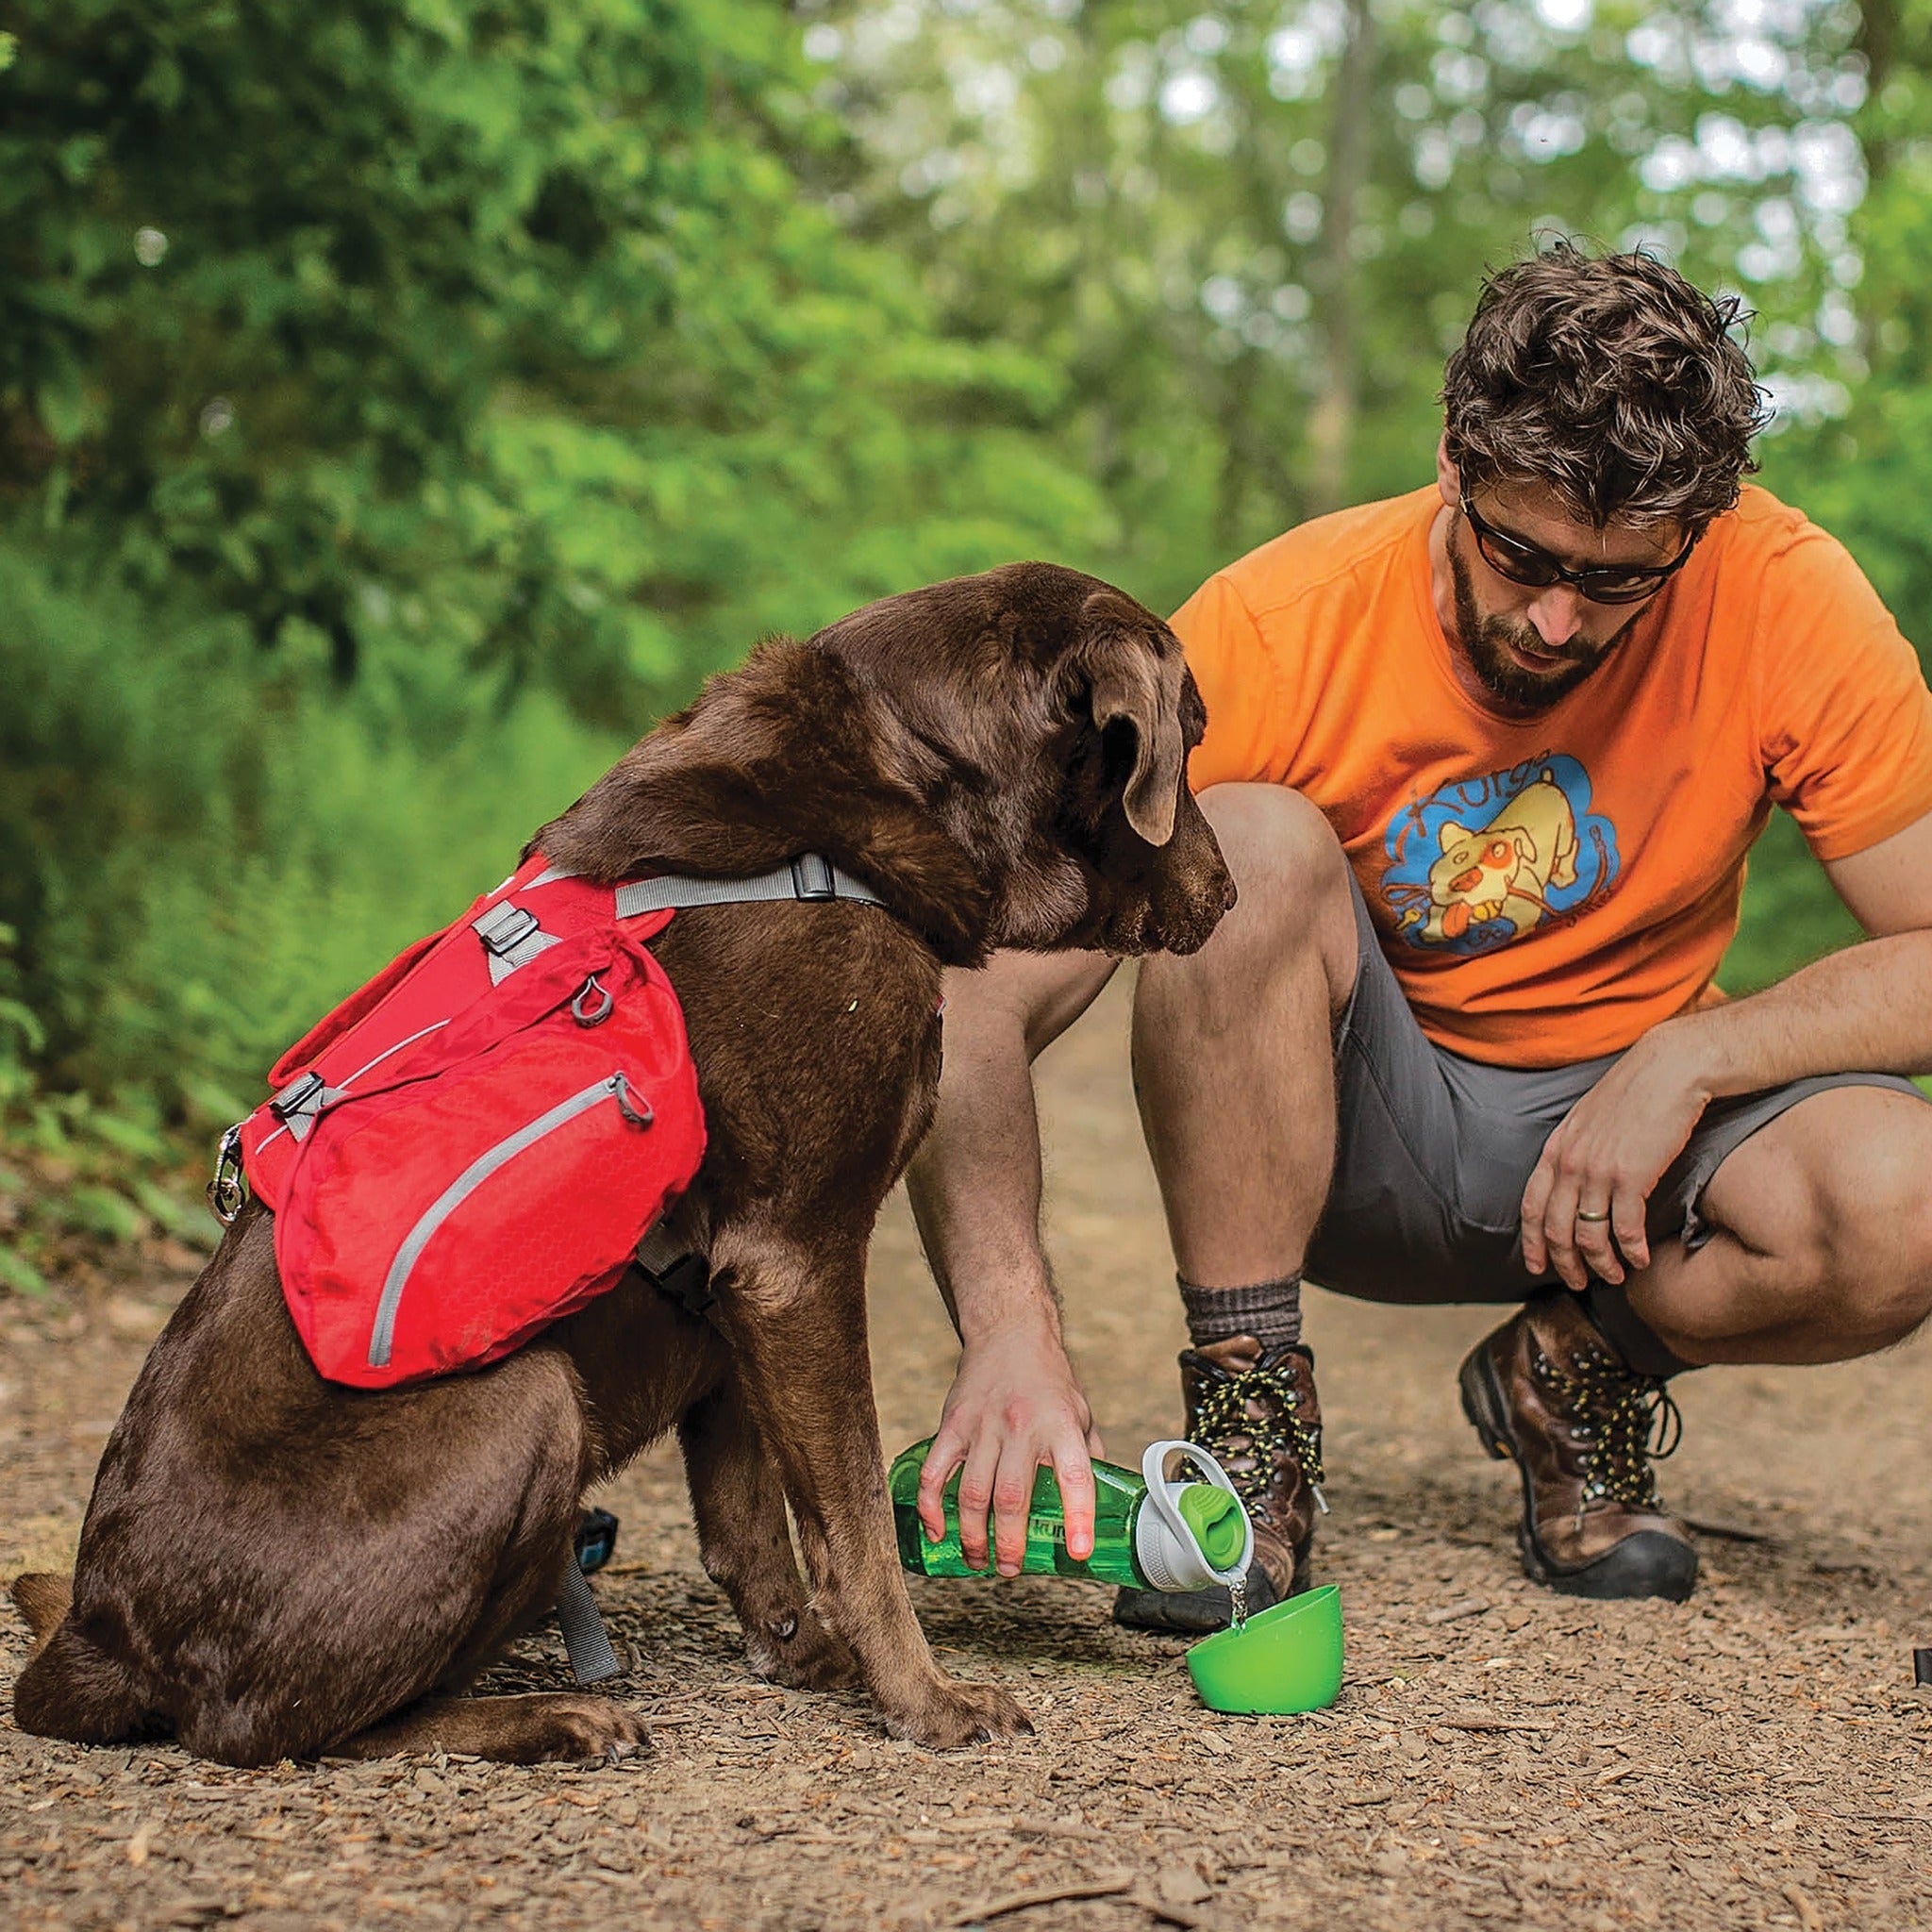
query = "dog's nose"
{"x": 1228, "y": 894}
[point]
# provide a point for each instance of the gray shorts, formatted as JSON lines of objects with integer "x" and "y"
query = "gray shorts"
{"x": 1434, "y": 1151}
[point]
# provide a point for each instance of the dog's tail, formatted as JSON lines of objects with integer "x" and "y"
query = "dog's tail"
{"x": 43, "y": 1600}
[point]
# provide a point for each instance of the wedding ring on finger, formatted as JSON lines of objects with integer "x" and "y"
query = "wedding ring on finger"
{"x": 1588, "y": 1214}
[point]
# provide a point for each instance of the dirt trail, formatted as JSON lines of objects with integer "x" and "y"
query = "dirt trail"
{"x": 1754, "y": 1757}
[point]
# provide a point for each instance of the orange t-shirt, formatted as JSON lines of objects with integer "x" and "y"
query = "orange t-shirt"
{"x": 1548, "y": 888}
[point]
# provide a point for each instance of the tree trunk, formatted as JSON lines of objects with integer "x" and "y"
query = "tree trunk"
{"x": 1331, "y": 421}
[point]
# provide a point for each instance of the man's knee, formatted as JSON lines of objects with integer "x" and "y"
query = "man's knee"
{"x": 1857, "y": 1228}
{"x": 1293, "y": 884}
{"x": 1875, "y": 1214}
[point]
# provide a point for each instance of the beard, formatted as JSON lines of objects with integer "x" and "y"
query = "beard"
{"x": 1486, "y": 643}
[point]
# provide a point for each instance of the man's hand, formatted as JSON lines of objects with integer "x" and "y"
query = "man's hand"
{"x": 1014, "y": 1404}
{"x": 1583, "y": 1209}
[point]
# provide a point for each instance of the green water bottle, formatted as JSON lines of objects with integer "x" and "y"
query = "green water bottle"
{"x": 1148, "y": 1532}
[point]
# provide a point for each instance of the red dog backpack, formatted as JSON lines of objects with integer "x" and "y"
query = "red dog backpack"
{"x": 472, "y": 1144}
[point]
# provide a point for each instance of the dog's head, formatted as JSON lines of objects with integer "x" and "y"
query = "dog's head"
{"x": 1003, "y": 758}
{"x": 1047, "y": 718}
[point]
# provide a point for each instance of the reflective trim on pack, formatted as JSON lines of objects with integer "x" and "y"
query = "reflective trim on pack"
{"x": 382, "y": 1336}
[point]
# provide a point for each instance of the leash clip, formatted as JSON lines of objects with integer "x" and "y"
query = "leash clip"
{"x": 227, "y": 1192}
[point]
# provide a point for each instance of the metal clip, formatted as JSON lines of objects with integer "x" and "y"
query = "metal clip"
{"x": 228, "y": 1191}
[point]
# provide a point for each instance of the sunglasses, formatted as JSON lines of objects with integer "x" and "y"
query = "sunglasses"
{"x": 1525, "y": 563}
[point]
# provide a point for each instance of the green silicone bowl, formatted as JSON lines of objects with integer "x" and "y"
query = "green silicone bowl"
{"x": 1287, "y": 1659}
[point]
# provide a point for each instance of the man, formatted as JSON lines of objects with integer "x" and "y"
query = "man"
{"x": 1485, "y": 761}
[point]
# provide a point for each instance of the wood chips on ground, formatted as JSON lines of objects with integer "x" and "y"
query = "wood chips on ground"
{"x": 1500, "y": 1757}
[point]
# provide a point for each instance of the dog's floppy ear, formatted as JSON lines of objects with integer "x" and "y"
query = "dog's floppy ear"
{"x": 1128, "y": 680}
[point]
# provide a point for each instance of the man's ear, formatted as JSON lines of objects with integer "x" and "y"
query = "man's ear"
{"x": 1129, "y": 681}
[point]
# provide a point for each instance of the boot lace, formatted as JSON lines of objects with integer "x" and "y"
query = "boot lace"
{"x": 1623, "y": 1422}
{"x": 1223, "y": 1425}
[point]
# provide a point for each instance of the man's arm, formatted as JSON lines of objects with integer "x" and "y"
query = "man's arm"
{"x": 1869, "y": 1006}
{"x": 976, "y": 1186}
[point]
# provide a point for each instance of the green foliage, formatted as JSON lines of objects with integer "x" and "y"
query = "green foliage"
{"x": 400, "y": 405}
{"x": 491, "y": 329}
{"x": 403, "y": 401}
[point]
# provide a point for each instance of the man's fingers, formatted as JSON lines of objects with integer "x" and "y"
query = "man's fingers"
{"x": 976, "y": 1496}
{"x": 1074, "y": 1474}
{"x": 1628, "y": 1218}
{"x": 1012, "y": 1500}
{"x": 1593, "y": 1243}
{"x": 1536, "y": 1199}
{"x": 1554, "y": 1230}
{"x": 941, "y": 1459}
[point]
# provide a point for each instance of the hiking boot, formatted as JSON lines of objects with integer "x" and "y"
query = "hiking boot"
{"x": 1547, "y": 1391}
{"x": 1256, "y": 1415}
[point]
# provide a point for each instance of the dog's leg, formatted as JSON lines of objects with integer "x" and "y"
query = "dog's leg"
{"x": 43, "y": 1599}
{"x": 530, "y": 1729}
{"x": 795, "y": 1316}
{"x": 69, "y": 1688}
{"x": 746, "y": 1547}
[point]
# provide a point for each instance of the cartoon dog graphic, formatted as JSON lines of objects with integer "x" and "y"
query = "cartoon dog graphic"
{"x": 1502, "y": 869}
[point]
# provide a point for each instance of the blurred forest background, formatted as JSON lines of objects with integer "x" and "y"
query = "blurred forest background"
{"x": 403, "y": 402}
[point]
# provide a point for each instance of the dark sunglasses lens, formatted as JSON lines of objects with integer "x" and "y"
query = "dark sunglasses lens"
{"x": 1620, "y": 589}
{"x": 1521, "y": 566}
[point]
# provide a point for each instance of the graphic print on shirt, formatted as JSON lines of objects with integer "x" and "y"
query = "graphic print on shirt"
{"x": 1483, "y": 861}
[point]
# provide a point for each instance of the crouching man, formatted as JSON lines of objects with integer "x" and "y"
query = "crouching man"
{"x": 1486, "y": 761}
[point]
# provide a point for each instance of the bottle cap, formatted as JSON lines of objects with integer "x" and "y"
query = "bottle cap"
{"x": 1170, "y": 1550}
{"x": 1215, "y": 1518}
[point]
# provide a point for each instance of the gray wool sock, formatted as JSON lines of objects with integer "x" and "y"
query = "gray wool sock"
{"x": 1271, "y": 1312}
{"x": 1626, "y": 1331}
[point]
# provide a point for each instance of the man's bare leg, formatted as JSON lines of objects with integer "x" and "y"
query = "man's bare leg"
{"x": 1822, "y": 1252}
{"x": 1234, "y": 1067}
{"x": 1824, "y": 1242}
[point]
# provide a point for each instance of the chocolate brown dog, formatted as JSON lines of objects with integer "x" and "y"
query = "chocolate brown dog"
{"x": 274, "y": 1566}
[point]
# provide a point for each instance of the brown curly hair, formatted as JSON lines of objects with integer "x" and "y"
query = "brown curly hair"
{"x": 1610, "y": 380}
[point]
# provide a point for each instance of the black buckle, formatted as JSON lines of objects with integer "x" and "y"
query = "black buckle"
{"x": 504, "y": 928}
{"x": 811, "y": 877}
{"x": 298, "y": 1098}
{"x": 687, "y": 1281}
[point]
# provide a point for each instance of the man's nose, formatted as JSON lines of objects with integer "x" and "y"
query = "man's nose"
{"x": 1557, "y": 613}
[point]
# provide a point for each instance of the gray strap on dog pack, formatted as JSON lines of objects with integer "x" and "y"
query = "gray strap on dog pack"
{"x": 511, "y": 937}
{"x": 592, "y": 1656}
{"x": 808, "y": 877}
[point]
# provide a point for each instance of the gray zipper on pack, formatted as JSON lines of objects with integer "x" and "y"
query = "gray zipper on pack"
{"x": 383, "y": 1335}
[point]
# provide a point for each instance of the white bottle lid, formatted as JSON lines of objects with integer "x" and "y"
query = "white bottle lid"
{"x": 1165, "y": 1548}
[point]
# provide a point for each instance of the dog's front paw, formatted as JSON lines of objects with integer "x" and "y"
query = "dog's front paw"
{"x": 572, "y": 1727}
{"x": 796, "y": 1649}
{"x": 956, "y": 1713}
